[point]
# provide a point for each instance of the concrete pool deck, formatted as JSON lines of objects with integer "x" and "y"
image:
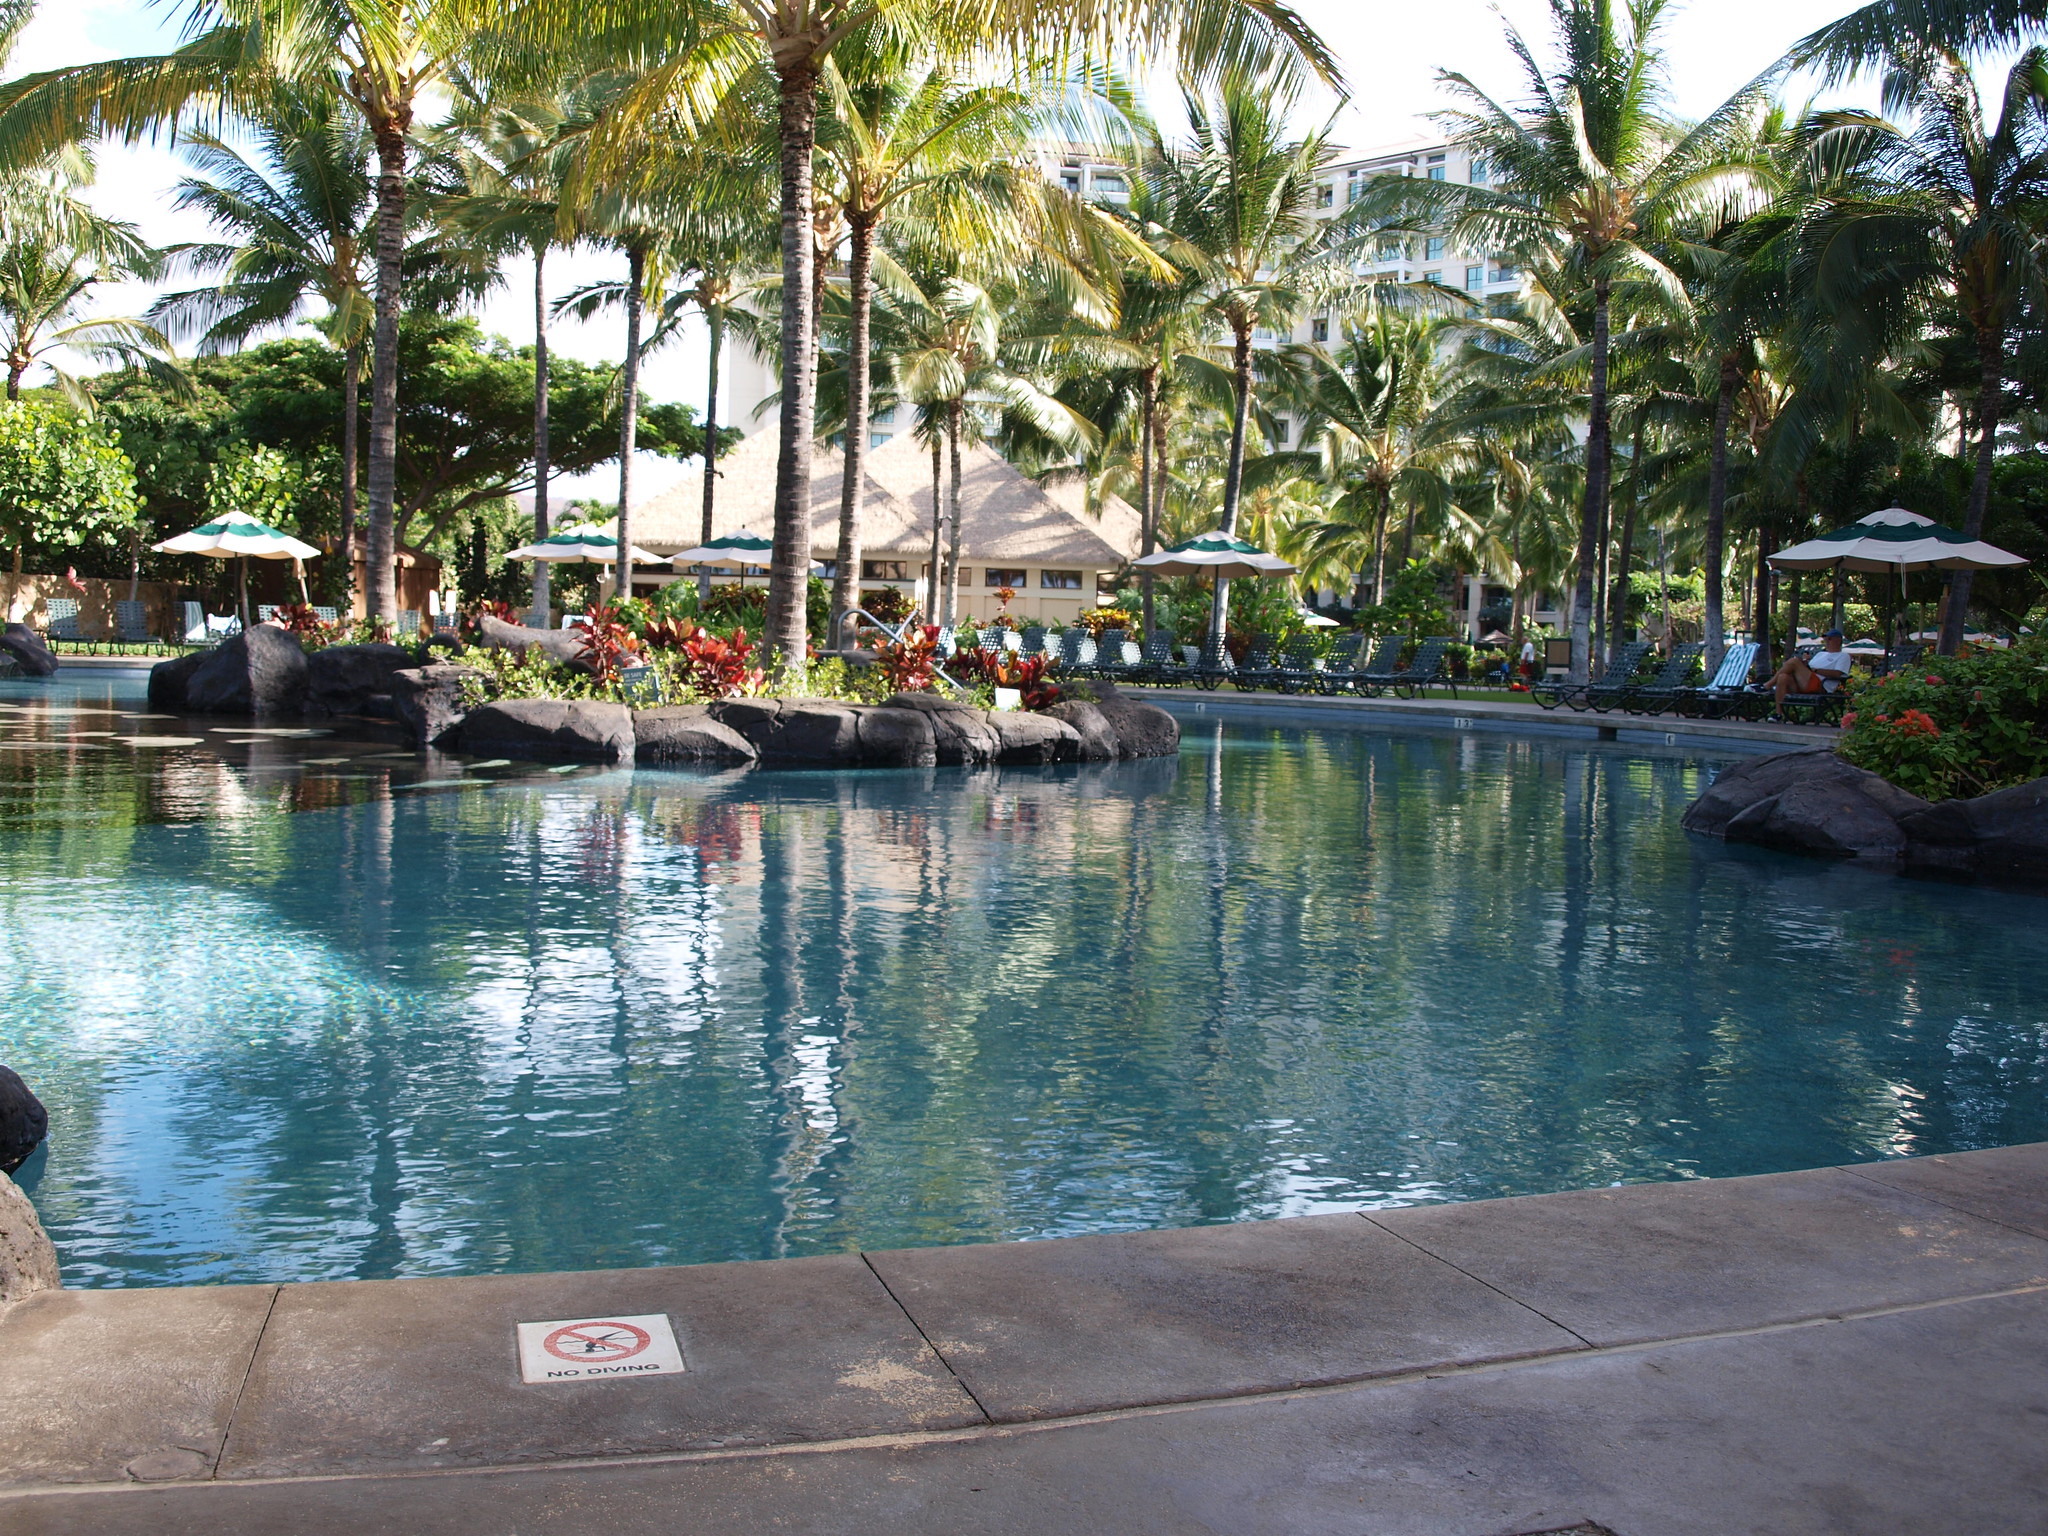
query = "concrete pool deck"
{"x": 1839, "y": 1350}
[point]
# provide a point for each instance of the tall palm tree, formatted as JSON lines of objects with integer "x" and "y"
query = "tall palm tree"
{"x": 53, "y": 253}
{"x": 797, "y": 39}
{"x": 383, "y": 58}
{"x": 296, "y": 215}
{"x": 1906, "y": 226}
{"x": 1592, "y": 177}
{"x": 1240, "y": 199}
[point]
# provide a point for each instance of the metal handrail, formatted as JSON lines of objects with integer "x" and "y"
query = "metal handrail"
{"x": 895, "y": 635}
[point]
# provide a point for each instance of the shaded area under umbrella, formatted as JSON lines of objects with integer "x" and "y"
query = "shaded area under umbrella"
{"x": 237, "y": 537}
{"x": 1220, "y": 556}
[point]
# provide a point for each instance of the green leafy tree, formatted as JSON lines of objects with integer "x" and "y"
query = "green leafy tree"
{"x": 63, "y": 483}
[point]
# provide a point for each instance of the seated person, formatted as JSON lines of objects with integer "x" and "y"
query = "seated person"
{"x": 1822, "y": 672}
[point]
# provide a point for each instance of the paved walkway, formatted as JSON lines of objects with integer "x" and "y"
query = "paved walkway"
{"x": 1492, "y": 712}
{"x": 1859, "y": 1350}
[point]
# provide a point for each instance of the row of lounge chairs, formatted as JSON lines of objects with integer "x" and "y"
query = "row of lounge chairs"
{"x": 1733, "y": 693}
{"x": 1356, "y": 664}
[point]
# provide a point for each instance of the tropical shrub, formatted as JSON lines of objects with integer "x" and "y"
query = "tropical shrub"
{"x": 1956, "y": 725}
{"x": 1029, "y": 675}
{"x": 718, "y": 665}
{"x": 608, "y": 644}
{"x": 1096, "y": 620}
{"x": 908, "y": 664}
{"x": 891, "y": 605}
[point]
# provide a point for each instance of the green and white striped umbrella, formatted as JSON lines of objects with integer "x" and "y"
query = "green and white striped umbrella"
{"x": 1214, "y": 554}
{"x": 233, "y": 536}
{"x": 1894, "y": 540}
{"x": 580, "y": 541}
{"x": 737, "y": 550}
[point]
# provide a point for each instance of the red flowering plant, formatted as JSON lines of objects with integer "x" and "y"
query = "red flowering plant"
{"x": 718, "y": 666}
{"x": 1979, "y": 723}
{"x": 302, "y": 621}
{"x": 1029, "y": 675}
{"x": 910, "y": 663}
{"x": 607, "y": 643}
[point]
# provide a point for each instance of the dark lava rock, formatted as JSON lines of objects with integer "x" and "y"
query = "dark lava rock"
{"x": 1760, "y": 778}
{"x": 686, "y": 733}
{"x": 27, "y": 649}
{"x": 427, "y": 700}
{"x": 896, "y": 738}
{"x": 550, "y": 730}
{"x": 262, "y": 672}
{"x": 2003, "y": 835}
{"x": 1142, "y": 729}
{"x": 1024, "y": 737}
{"x": 1095, "y": 739}
{"x": 795, "y": 732}
{"x": 343, "y": 679}
{"x": 23, "y": 1120}
{"x": 961, "y": 735}
{"x": 1828, "y": 816}
{"x": 565, "y": 645}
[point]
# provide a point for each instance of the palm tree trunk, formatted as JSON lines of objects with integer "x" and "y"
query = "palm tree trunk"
{"x": 934, "y": 579}
{"x": 1233, "y": 479}
{"x": 1717, "y": 511}
{"x": 714, "y": 317}
{"x": 351, "y": 405}
{"x": 853, "y": 488}
{"x": 1150, "y": 410}
{"x": 1990, "y": 347}
{"x": 629, "y": 418}
{"x": 381, "y": 553}
{"x": 1593, "y": 512}
{"x": 14, "y": 373}
{"x": 954, "y": 411}
{"x": 1617, "y": 608}
{"x": 543, "y": 602}
{"x": 1379, "y": 549}
{"x": 789, "y": 568}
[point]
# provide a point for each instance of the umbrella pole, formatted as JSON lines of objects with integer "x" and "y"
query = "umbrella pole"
{"x": 243, "y": 562}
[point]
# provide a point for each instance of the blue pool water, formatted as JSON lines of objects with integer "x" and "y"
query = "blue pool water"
{"x": 317, "y": 1007}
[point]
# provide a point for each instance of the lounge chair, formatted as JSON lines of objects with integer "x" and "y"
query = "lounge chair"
{"x": 1257, "y": 670}
{"x": 1377, "y": 663}
{"x": 1902, "y": 657}
{"x": 1605, "y": 695}
{"x": 221, "y": 626}
{"x": 1299, "y": 666}
{"x": 1034, "y": 639}
{"x": 1728, "y": 693}
{"x": 408, "y": 623}
{"x": 327, "y": 615}
{"x": 1661, "y": 691}
{"x": 1620, "y": 670}
{"x": 1109, "y": 663}
{"x": 1425, "y": 670}
{"x": 192, "y": 623}
{"x": 1342, "y": 659}
{"x": 1070, "y": 651}
{"x": 1158, "y": 664}
{"x": 62, "y": 624}
{"x": 131, "y": 623}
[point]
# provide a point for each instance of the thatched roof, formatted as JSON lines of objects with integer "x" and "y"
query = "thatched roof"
{"x": 1005, "y": 517}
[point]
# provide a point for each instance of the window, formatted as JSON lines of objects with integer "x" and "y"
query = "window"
{"x": 1319, "y": 329}
{"x": 886, "y": 414}
{"x": 1433, "y": 248}
{"x": 1326, "y": 195}
{"x": 754, "y": 570}
{"x": 1109, "y": 185}
{"x": 1071, "y": 180}
{"x": 1432, "y": 277}
{"x": 1503, "y": 271}
{"x": 1059, "y": 581}
{"x": 1475, "y": 279}
{"x": 1436, "y": 167}
{"x": 997, "y": 576}
{"x": 826, "y": 568}
{"x": 1356, "y": 189}
{"x": 884, "y": 570}
{"x": 1481, "y": 173}
{"x": 1501, "y": 305}
{"x": 876, "y": 439}
{"x": 1283, "y": 429}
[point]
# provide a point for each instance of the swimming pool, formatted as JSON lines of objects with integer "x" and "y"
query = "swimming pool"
{"x": 314, "y": 1007}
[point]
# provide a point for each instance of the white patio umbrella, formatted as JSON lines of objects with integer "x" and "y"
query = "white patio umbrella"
{"x": 580, "y": 542}
{"x": 1894, "y": 540}
{"x": 736, "y": 551}
{"x": 238, "y": 537}
{"x": 1219, "y": 556}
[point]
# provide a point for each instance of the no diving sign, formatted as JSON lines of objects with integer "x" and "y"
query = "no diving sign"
{"x": 598, "y": 1348}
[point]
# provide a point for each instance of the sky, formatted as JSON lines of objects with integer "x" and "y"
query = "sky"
{"x": 1391, "y": 55}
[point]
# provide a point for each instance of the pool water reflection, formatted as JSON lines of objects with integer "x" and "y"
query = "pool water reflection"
{"x": 299, "y": 1018}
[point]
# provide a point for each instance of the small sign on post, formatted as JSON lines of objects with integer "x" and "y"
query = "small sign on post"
{"x": 598, "y": 1348}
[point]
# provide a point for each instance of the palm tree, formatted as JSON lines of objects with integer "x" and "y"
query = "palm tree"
{"x": 515, "y": 169}
{"x": 298, "y": 217}
{"x": 904, "y": 131}
{"x": 1374, "y": 412}
{"x": 1905, "y": 227}
{"x": 49, "y": 263}
{"x": 1594, "y": 178}
{"x": 798, "y": 39}
{"x": 382, "y": 58}
{"x": 1239, "y": 199}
